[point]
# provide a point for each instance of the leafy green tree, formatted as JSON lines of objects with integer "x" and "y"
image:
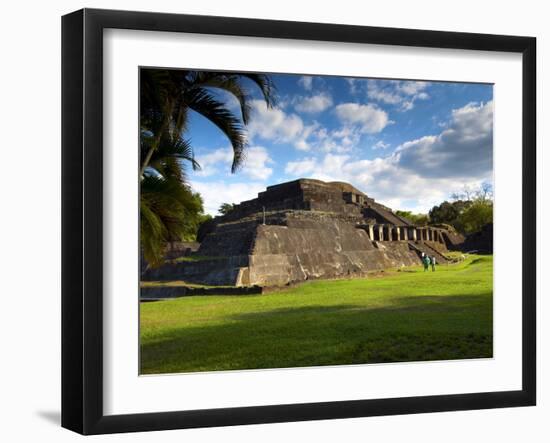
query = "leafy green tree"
{"x": 166, "y": 210}
{"x": 226, "y": 208}
{"x": 417, "y": 219}
{"x": 444, "y": 213}
{"x": 475, "y": 208}
{"x": 167, "y": 204}
{"x": 194, "y": 219}
{"x": 448, "y": 212}
{"x": 477, "y": 215}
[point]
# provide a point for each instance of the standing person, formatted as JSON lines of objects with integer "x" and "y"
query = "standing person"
{"x": 426, "y": 262}
{"x": 432, "y": 261}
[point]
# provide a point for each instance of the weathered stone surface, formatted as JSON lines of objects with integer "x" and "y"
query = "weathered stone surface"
{"x": 229, "y": 239}
{"x": 453, "y": 240}
{"x": 273, "y": 255}
{"x": 180, "y": 249}
{"x": 431, "y": 249}
{"x": 214, "y": 271}
{"x": 302, "y": 230}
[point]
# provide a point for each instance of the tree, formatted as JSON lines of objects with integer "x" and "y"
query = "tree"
{"x": 166, "y": 210}
{"x": 168, "y": 96}
{"x": 468, "y": 193}
{"x": 477, "y": 215}
{"x": 226, "y": 208}
{"x": 193, "y": 219}
{"x": 168, "y": 207}
{"x": 448, "y": 212}
{"x": 417, "y": 219}
{"x": 468, "y": 211}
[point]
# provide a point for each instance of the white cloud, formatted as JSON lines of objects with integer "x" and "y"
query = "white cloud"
{"x": 387, "y": 96}
{"x": 353, "y": 85}
{"x": 402, "y": 94}
{"x": 339, "y": 140}
{"x": 383, "y": 179}
{"x": 276, "y": 125}
{"x": 464, "y": 148}
{"x": 407, "y": 105}
{"x": 255, "y": 163}
{"x": 302, "y": 142}
{"x": 218, "y": 192}
{"x": 313, "y": 104}
{"x": 212, "y": 162}
{"x": 343, "y": 132}
{"x": 369, "y": 118}
{"x": 273, "y": 123}
{"x": 301, "y": 167}
{"x": 380, "y": 145}
{"x": 420, "y": 173}
{"x": 411, "y": 87}
{"x": 306, "y": 82}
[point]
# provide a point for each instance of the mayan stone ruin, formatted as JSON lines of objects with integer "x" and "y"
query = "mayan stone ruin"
{"x": 301, "y": 230}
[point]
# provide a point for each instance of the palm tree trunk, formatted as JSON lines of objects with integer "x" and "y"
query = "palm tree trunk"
{"x": 155, "y": 144}
{"x": 152, "y": 149}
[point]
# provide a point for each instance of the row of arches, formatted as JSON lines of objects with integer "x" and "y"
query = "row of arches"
{"x": 403, "y": 233}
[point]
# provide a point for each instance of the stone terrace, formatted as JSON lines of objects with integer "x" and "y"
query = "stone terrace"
{"x": 300, "y": 230}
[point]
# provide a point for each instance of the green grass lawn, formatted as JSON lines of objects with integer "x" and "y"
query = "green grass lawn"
{"x": 404, "y": 316}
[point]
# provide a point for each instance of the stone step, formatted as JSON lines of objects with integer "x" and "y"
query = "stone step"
{"x": 428, "y": 250}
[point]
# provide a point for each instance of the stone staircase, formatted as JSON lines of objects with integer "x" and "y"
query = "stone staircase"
{"x": 424, "y": 247}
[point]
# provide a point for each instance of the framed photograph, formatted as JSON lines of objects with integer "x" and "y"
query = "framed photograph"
{"x": 269, "y": 221}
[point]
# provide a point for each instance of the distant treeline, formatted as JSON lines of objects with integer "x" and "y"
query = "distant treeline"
{"x": 467, "y": 212}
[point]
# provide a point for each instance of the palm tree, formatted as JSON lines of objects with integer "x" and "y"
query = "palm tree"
{"x": 167, "y": 203}
{"x": 167, "y": 96}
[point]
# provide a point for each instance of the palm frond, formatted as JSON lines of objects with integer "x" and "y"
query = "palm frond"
{"x": 229, "y": 83}
{"x": 266, "y": 86}
{"x": 169, "y": 209}
{"x": 233, "y": 84}
{"x": 157, "y": 94}
{"x": 170, "y": 156}
{"x": 203, "y": 102}
{"x": 166, "y": 210}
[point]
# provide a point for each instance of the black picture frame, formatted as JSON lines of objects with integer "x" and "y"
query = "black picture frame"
{"x": 82, "y": 218}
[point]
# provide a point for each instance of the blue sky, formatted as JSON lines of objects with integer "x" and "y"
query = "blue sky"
{"x": 408, "y": 144}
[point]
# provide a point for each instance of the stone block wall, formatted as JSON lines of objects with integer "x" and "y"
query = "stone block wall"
{"x": 214, "y": 271}
{"x": 229, "y": 239}
{"x": 301, "y": 195}
{"x": 300, "y": 230}
{"x": 323, "y": 249}
{"x": 301, "y": 248}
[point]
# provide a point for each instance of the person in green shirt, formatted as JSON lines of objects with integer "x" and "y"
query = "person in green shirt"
{"x": 426, "y": 262}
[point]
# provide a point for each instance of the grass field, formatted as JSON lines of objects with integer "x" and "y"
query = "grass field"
{"x": 404, "y": 316}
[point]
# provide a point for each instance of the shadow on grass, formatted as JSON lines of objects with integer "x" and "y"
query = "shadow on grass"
{"x": 410, "y": 329}
{"x": 418, "y": 303}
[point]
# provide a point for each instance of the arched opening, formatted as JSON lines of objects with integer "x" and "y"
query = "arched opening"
{"x": 395, "y": 234}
